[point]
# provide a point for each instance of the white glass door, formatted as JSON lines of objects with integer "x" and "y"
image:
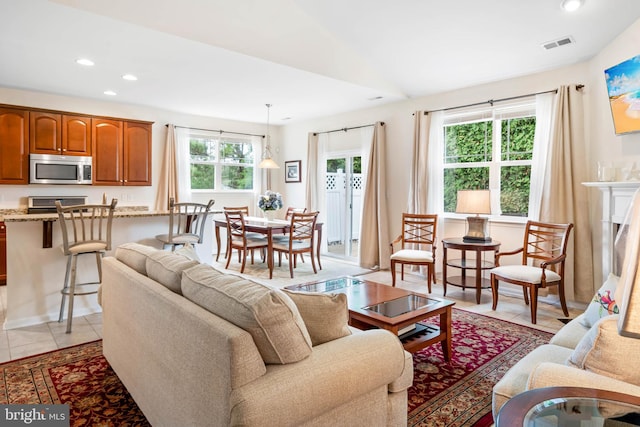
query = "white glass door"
{"x": 344, "y": 183}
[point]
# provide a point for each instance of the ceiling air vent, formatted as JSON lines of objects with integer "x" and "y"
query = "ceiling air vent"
{"x": 557, "y": 43}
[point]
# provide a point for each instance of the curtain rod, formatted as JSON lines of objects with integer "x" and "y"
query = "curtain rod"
{"x": 217, "y": 130}
{"x": 346, "y": 129}
{"x": 491, "y": 101}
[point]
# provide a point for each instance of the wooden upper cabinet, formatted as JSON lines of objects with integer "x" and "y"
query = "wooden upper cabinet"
{"x": 45, "y": 133}
{"x": 76, "y": 135}
{"x": 51, "y": 133}
{"x": 107, "y": 152}
{"x": 137, "y": 153}
{"x": 14, "y": 146}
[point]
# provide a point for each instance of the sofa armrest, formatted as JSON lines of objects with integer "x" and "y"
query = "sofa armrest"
{"x": 548, "y": 374}
{"x": 336, "y": 372}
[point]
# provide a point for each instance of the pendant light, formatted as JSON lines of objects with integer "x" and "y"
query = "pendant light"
{"x": 267, "y": 162}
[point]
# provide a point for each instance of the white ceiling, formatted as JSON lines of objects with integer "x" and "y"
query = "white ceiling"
{"x": 309, "y": 58}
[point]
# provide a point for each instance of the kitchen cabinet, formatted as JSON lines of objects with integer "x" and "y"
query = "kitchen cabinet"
{"x": 52, "y": 133}
{"x": 3, "y": 254}
{"x": 121, "y": 152}
{"x": 14, "y": 146}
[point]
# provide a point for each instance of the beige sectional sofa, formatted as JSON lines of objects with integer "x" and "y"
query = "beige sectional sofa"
{"x": 576, "y": 356}
{"x": 185, "y": 365}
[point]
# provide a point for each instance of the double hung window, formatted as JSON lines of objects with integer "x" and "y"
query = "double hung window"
{"x": 492, "y": 149}
{"x": 221, "y": 162}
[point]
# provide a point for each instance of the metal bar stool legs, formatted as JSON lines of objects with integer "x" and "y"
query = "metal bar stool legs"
{"x": 70, "y": 286}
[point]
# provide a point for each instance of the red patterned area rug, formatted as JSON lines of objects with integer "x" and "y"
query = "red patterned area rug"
{"x": 79, "y": 376}
{"x": 459, "y": 393}
{"x": 444, "y": 394}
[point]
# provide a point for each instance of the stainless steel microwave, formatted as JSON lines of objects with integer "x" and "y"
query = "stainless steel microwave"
{"x": 54, "y": 169}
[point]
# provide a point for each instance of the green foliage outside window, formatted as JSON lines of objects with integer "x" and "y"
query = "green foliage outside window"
{"x": 473, "y": 143}
{"x": 234, "y": 158}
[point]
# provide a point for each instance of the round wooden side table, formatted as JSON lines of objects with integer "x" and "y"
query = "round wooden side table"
{"x": 477, "y": 281}
{"x": 569, "y": 406}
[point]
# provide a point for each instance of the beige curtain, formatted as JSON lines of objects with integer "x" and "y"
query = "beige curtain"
{"x": 168, "y": 182}
{"x": 419, "y": 164}
{"x": 312, "y": 194}
{"x": 564, "y": 198}
{"x": 374, "y": 234}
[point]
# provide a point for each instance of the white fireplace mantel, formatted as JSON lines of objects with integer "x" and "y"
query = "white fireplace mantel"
{"x": 616, "y": 198}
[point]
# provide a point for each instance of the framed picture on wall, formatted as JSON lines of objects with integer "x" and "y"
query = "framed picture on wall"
{"x": 292, "y": 171}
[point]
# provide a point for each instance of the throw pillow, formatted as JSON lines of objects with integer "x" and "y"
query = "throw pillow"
{"x": 166, "y": 268}
{"x": 326, "y": 316}
{"x": 268, "y": 314}
{"x": 134, "y": 255}
{"x": 603, "y": 303}
{"x": 603, "y": 351}
{"x": 188, "y": 251}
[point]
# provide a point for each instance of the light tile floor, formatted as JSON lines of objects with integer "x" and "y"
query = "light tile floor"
{"x": 31, "y": 340}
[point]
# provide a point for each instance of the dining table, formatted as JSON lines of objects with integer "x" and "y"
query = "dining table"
{"x": 269, "y": 228}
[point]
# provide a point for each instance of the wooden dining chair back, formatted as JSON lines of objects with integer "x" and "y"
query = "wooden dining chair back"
{"x": 301, "y": 240}
{"x": 240, "y": 240}
{"x": 243, "y": 209}
{"x": 417, "y": 245}
{"x": 542, "y": 264}
{"x": 187, "y": 222}
{"x": 292, "y": 210}
{"x": 86, "y": 230}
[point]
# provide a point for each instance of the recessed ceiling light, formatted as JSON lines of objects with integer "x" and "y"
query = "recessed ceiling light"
{"x": 84, "y": 61}
{"x": 129, "y": 77}
{"x": 109, "y": 92}
{"x": 375, "y": 98}
{"x": 286, "y": 118}
{"x": 571, "y": 5}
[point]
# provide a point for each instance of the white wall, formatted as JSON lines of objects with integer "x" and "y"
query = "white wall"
{"x": 14, "y": 196}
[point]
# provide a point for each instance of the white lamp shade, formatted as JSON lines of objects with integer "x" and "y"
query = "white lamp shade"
{"x": 474, "y": 202}
{"x": 268, "y": 163}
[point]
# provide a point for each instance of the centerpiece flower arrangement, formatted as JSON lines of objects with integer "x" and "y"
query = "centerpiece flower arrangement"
{"x": 269, "y": 202}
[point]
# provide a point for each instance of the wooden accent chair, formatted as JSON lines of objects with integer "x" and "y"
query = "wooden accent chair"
{"x": 86, "y": 230}
{"x": 543, "y": 258}
{"x": 418, "y": 245}
{"x": 186, "y": 223}
{"x": 301, "y": 240}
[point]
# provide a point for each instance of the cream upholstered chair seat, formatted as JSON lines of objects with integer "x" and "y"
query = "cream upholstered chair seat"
{"x": 295, "y": 245}
{"x": 525, "y": 273}
{"x": 83, "y": 248}
{"x": 412, "y": 255}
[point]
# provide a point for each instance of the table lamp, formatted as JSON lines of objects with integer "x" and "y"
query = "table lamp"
{"x": 475, "y": 202}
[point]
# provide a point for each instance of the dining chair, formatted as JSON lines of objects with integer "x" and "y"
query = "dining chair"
{"x": 187, "y": 222}
{"x": 544, "y": 252}
{"x": 300, "y": 240}
{"x": 285, "y": 237}
{"x": 417, "y": 245}
{"x": 251, "y": 235}
{"x": 86, "y": 230}
{"x": 241, "y": 240}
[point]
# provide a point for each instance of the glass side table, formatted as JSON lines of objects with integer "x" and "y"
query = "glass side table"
{"x": 570, "y": 406}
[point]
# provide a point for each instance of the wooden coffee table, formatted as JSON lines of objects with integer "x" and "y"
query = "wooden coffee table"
{"x": 374, "y": 305}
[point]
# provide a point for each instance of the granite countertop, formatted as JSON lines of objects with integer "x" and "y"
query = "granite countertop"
{"x": 21, "y": 215}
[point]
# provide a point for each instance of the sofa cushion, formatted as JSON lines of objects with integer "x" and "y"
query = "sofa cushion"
{"x": 602, "y": 304}
{"x": 515, "y": 380}
{"x": 134, "y": 255}
{"x": 268, "y": 314}
{"x": 326, "y": 316}
{"x": 603, "y": 351}
{"x": 188, "y": 251}
{"x": 166, "y": 268}
{"x": 570, "y": 334}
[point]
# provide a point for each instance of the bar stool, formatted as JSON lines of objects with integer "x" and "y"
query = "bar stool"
{"x": 86, "y": 230}
{"x": 186, "y": 223}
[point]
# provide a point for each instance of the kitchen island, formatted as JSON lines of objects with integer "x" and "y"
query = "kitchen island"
{"x": 35, "y": 274}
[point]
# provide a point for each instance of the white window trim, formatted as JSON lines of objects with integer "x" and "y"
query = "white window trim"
{"x": 520, "y": 108}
